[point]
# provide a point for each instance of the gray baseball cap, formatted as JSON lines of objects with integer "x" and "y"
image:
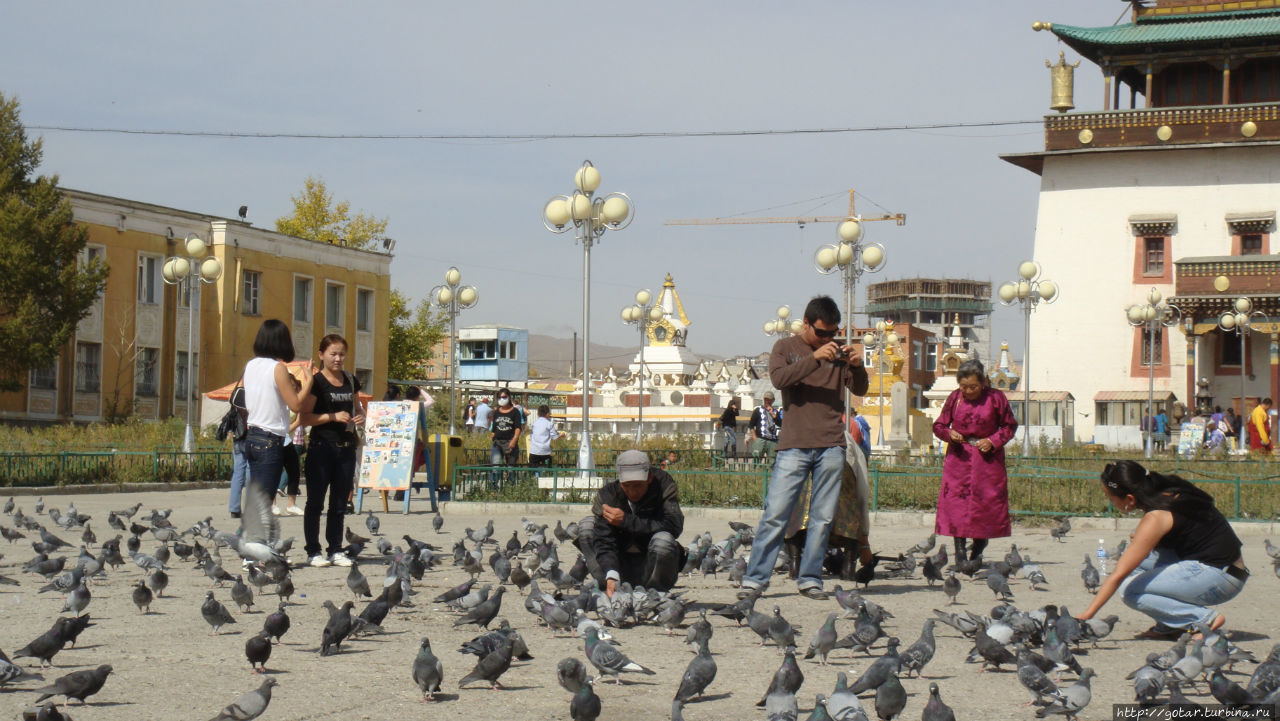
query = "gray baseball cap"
{"x": 633, "y": 466}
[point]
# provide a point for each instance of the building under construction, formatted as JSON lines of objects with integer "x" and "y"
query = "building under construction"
{"x": 935, "y": 304}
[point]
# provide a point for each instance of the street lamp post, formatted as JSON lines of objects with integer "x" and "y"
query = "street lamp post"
{"x": 852, "y": 256}
{"x": 188, "y": 271}
{"x": 878, "y": 340}
{"x": 641, "y": 314}
{"x": 590, "y": 217}
{"x": 780, "y": 326}
{"x": 1240, "y": 319}
{"x": 453, "y": 297}
{"x": 1029, "y": 291}
{"x": 1152, "y": 317}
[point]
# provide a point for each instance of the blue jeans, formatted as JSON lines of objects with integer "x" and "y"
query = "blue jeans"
{"x": 265, "y": 454}
{"x": 1177, "y": 593}
{"x": 239, "y": 474}
{"x": 730, "y": 442}
{"x": 790, "y": 469}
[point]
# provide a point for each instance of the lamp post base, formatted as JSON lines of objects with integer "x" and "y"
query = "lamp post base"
{"x": 585, "y": 461}
{"x": 188, "y": 441}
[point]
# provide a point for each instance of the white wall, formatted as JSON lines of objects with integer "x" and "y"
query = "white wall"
{"x": 1084, "y": 241}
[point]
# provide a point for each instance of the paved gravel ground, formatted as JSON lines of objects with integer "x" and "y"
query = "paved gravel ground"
{"x": 168, "y": 666}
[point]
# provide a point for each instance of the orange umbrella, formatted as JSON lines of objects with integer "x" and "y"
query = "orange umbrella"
{"x": 297, "y": 368}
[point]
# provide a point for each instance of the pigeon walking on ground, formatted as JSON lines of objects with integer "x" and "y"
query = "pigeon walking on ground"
{"x": 491, "y": 667}
{"x": 585, "y": 705}
{"x": 919, "y": 654}
{"x": 242, "y": 595}
{"x": 891, "y": 698}
{"x": 483, "y": 613}
{"x": 277, "y": 624}
{"x": 1071, "y": 700}
{"x": 935, "y": 709}
{"x": 699, "y": 674}
{"x": 142, "y": 597}
{"x": 609, "y": 661}
{"x": 571, "y": 674}
{"x": 248, "y": 706}
{"x": 337, "y": 629}
{"x": 824, "y": 639}
{"x": 257, "y": 650}
{"x": 214, "y": 613}
{"x": 427, "y": 671}
{"x": 787, "y": 680}
{"x": 77, "y": 685}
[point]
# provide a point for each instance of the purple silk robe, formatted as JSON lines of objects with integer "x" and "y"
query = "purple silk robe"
{"x": 974, "y": 499}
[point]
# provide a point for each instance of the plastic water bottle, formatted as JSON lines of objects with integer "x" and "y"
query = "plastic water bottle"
{"x": 1102, "y": 558}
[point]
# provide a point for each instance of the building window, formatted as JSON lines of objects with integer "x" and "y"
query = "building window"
{"x": 917, "y": 351}
{"x": 364, "y": 310}
{"x": 365, "y": 376}
{"x": 1153, "y": 256}
{"x": 1152, "y": 347}
{"x": 931, "y": 357}
{"x": 149, "y": 279}
{"x": 45, "y": 378}
{"x": 302, "y": 300}
{"x": 88, "y": 367}
{"x": 181, "y": 377}
{"x": 251, "y": 298}
{"x": 333, "y": 306}
{"x": 146, "y": 376}
{"x": 1251, "y": 244}
{"x": 1230, "y": 345}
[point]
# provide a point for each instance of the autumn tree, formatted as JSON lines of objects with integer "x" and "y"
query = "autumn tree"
{"x": 45, "y": 288}
{"x": 317, "y": 217}
{"x": 412, "y": 336}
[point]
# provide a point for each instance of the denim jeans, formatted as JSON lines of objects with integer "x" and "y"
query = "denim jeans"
{"x": 1177, "y": 593}
{"x": 239, "y": 475}
{"x": 500, "y": 455}
{"x": 265, "y": 454}
{"x": 730, "y": 442}
{"x": 790, "y": 469}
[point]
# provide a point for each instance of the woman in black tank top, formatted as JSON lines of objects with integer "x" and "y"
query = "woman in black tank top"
{"x": 1182, "y": 559}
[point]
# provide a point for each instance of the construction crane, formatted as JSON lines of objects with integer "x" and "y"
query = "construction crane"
{"x": 899, "y": 218}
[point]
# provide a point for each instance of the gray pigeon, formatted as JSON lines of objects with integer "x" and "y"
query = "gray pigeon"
{"x": 258, "y": 650}
{"x": 787, "y": 679}
{"x": 609, "y": 660}
{"x": 780, "y": 705}
{"x": 843, "y": 704}
{"x": 427, "y": 671}
{"x": 571, "y": 674}
{"x": 259, "y": 528}
{"x": 437, "y": 523}
{"x": 1032, "y": 677}
{"x": 879, "y": 670}
{"x": 372, "y": 523}
{"x": 356, "y": 581}
{"x": 491, "y": 667}
{"x": 1089, "y": 575}
{"x": 1071, "y": 700}
{"x": 891, "y": 698}
{"x": 157, "y": 581}
{"x": 337, "y": 629}
{"x": 77, "y": 685}
{"x": 699, "y": 674}
{"x": 780, "y": 630}
{"x": 248, "y": 706}
{"x": 483, "y": 613}
{"x": 824, "y": 639}
{"x": 919, "y": 654}
{"x": 277, "y": 624}
{"x": 698, "y": 630}
{"x": 214, "y": 613}
{"x": 242, "y": 595}
{"x": 78, "y": 599}
{"x": 585, "y": 705}
{"x": 142, "y": 597}
{"x": 936, "y": 710}
{"x": 951, "y": 587}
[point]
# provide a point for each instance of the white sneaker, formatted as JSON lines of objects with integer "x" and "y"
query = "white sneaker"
{"x": 293, "y": 511}
{"x": 319, "y": 561}
{"x": 340, "y": 559}
{"x": 275, "y": 511}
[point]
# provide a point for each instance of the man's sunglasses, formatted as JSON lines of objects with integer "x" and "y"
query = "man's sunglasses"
{"x": 824, "y": 333}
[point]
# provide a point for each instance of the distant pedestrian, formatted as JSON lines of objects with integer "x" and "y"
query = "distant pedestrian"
{"x": 469, "y": 415}
{"x": 483, "y": 411}
{"x": 976, "y": 423}
{"x": 1260, "y": 427}
{"x": 541, "y": 434}
{"x": 392, "y": 394}
{"x": 239, "y": 466}
{"x": 762, "y": 429}
{"x": 507, "y": 423}
{"x": 728, "y": 422}
{"x": 1161, "y": 437}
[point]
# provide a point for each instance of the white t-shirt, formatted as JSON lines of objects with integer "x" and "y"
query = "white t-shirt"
{"x": 540, "y": 436}
{"x": 267, "y": 410}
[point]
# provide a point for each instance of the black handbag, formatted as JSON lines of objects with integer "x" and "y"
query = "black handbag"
{"x": 235, "y": 422}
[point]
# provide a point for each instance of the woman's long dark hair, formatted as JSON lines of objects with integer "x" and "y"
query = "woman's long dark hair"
{"x": 1155, "y": 491}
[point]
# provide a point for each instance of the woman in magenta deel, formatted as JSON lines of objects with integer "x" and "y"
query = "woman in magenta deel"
{"x": 976, "y": 422}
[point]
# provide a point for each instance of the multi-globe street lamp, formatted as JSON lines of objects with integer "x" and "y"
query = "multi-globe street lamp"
{"x": 878, "y": 341}
{"x": 781, "y": 326}
{"x": 188, "y": 272}
{"x": 590, "y": 217}
{"x": 1153, "y": 317}
{"x": 641, "y": 314}
{"x": 1240, "y": 320}
{"x": 1029, "y": 291}
{"x": 453, "y": 298}
{"x": 852, "y": 256}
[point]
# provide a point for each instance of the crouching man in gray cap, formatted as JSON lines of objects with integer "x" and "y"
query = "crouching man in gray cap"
{"x": 631, "y": 533}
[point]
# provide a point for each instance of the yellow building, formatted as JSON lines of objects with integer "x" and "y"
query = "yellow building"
{"x": 129, "y": 355}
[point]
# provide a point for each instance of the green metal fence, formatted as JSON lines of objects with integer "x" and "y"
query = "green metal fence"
{"x": 69, "y": 468}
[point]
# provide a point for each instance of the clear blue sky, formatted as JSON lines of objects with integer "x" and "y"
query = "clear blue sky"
{"x": 516, "y": 68}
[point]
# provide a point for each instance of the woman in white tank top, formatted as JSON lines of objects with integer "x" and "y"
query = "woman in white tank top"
{"x": 269, "y": 396}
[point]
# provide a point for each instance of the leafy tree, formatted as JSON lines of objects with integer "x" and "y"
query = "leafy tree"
{"x": 317, "y": 217}
{"x": 412, "y": 336}
{"x": 45, "y": 289}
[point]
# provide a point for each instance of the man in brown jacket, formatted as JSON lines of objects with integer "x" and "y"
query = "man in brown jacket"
{"x": 812, "y": 371}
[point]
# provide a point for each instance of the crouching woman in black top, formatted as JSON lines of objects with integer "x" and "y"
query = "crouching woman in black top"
{"x": 1183, "y": 557}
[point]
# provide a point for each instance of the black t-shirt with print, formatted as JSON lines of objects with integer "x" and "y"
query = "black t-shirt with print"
{"x": 334, "y": 399}
{"x": 505, "y": 422}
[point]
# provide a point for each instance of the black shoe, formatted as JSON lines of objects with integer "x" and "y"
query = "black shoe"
{"x": 235, "y": 514}
{"x": 814, "y": 593}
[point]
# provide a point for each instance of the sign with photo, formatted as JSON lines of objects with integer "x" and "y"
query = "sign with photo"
{"x": 1191, "y": 438}
{"x": 386, "y": 463}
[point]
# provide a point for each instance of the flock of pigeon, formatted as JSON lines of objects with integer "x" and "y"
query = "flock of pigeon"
{"x": 1043, "y": 645}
